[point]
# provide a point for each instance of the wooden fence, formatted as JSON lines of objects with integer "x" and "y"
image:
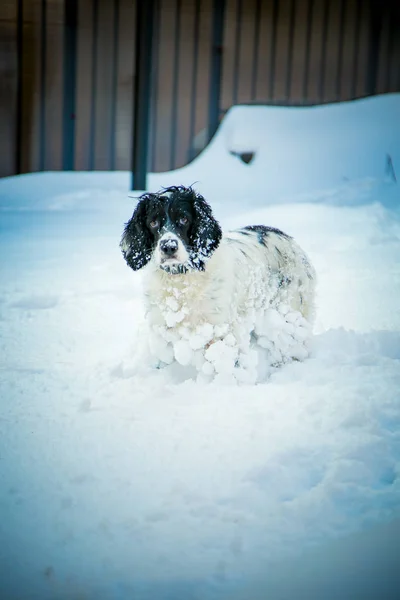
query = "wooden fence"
{"x": 67, "y": 72}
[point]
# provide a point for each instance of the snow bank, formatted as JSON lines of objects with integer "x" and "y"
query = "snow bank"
{"x": 334, "y": 153}
{"x": 296, "y": 150}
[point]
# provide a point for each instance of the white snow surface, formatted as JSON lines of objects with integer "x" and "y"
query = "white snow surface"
{"x": 123, "y": 482}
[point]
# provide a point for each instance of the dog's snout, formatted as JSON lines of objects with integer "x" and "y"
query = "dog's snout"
{"x": 169, "y": 247}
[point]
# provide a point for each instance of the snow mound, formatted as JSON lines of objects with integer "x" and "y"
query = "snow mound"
{"x": 296, "y": 151}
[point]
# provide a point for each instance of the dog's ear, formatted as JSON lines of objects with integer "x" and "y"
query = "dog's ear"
{"x": 136, "y": 242}
{"x": 206, "y": 232}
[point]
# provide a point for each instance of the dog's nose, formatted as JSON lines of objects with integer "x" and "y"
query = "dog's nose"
{"x": 169, "y": 247}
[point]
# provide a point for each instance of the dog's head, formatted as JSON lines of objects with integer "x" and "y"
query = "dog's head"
{"x": 175, "y": 227}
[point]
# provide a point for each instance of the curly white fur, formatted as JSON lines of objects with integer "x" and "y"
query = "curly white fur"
{"x": 252, "y": 305}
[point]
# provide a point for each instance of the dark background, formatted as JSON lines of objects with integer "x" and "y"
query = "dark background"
{"x": 67, "y": 72}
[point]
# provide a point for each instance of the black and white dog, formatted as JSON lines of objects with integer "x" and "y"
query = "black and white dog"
{"x": 214, "y": 300}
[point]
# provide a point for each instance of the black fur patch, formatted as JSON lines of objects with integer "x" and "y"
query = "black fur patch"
{"x": 263, "y": 232}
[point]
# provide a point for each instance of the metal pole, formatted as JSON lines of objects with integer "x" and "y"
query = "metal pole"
{"x": 142, "y": 93}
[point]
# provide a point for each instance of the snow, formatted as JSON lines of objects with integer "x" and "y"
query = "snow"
{"x": 124, "y": 482}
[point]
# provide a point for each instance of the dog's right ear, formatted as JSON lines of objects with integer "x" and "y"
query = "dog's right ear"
{"x": 136, "y": 242}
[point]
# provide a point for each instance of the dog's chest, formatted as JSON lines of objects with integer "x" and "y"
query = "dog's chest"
{"x": 181, "y": 300}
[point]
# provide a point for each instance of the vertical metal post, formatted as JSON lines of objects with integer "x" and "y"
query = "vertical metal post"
{"x": 216, "y": 66}
{"x": 70, "y": 26}
{"x": 142, "y": 92}
{"x": 18, "y": 141}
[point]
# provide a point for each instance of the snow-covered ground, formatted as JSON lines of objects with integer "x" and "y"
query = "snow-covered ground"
{"x": 119, "y": 484}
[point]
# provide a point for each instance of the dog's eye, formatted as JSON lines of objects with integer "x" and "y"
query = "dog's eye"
{"x": 183, "y": 220}
{"x": 153, "y": 224}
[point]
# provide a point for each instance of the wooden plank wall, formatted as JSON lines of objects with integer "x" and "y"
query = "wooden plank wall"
{"x": 39, "y": 83}
{"x": 104, "y": 95}
{"x": 306, "y": 51}
{"x": 182, "y": 79}
{"x": 274, "y": 51}
{"x": 8, "y": 87}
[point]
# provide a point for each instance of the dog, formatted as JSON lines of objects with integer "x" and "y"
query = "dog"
{"x": 224, "y": 304}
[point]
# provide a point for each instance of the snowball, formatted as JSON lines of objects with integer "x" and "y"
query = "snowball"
{"x": 283, "y": 309}
{"x": 292, "y": 317}
{"x": 173, "y": 318}
{"x": 171, "y": 303}
{"x": 160, "y": 349}
{"x": 230, "y": 340}
{"x": 206, "y": 331}
{"x": 221, "y": 330}
{"x": 271, "y": 319}
{"x": 183, "y": 352}
{"x": 207, "y": 368}
{"x": 196, "y": 342}
{"x": 223, "y": 357}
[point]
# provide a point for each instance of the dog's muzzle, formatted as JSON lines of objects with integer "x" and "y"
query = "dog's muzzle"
{"x": 169, "y": 247}
{"x": 172, "y": 256}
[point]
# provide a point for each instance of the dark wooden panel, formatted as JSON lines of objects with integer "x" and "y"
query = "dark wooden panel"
{"x": 228, "y": 64}
{"x": 165, "y": 84}
{"x": 203, "y": 72}
{"x": 279, "y": 93}
{"x": 184, "y": 97}
{"x": 362, "y": 23}
{"x": 8, "y": 10}
{"x": 332, "y": 52}
{"x": 31, "y": 89}
{"x": 385, "y": 52}
{"x": 348, "y": 50}
{"x": 8, "y": 96}
{"x": 103, "y": 90}
{"x": 175, "y": 81}
{"x": 299, "y": 51}
{"x": 316, "y": 64}
{"x": 246, "y": 51}
{"x": 125, "y": 73}
{"x": 394, "y": 71}
{"x": 263, "y": 71}
{"x": 84, "y": 85}
{"x": 53, "y": 86}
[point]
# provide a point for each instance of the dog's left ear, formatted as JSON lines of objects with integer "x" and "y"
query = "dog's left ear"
{"x": 136, "y": 242}
{"x": 206, "y": 232}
